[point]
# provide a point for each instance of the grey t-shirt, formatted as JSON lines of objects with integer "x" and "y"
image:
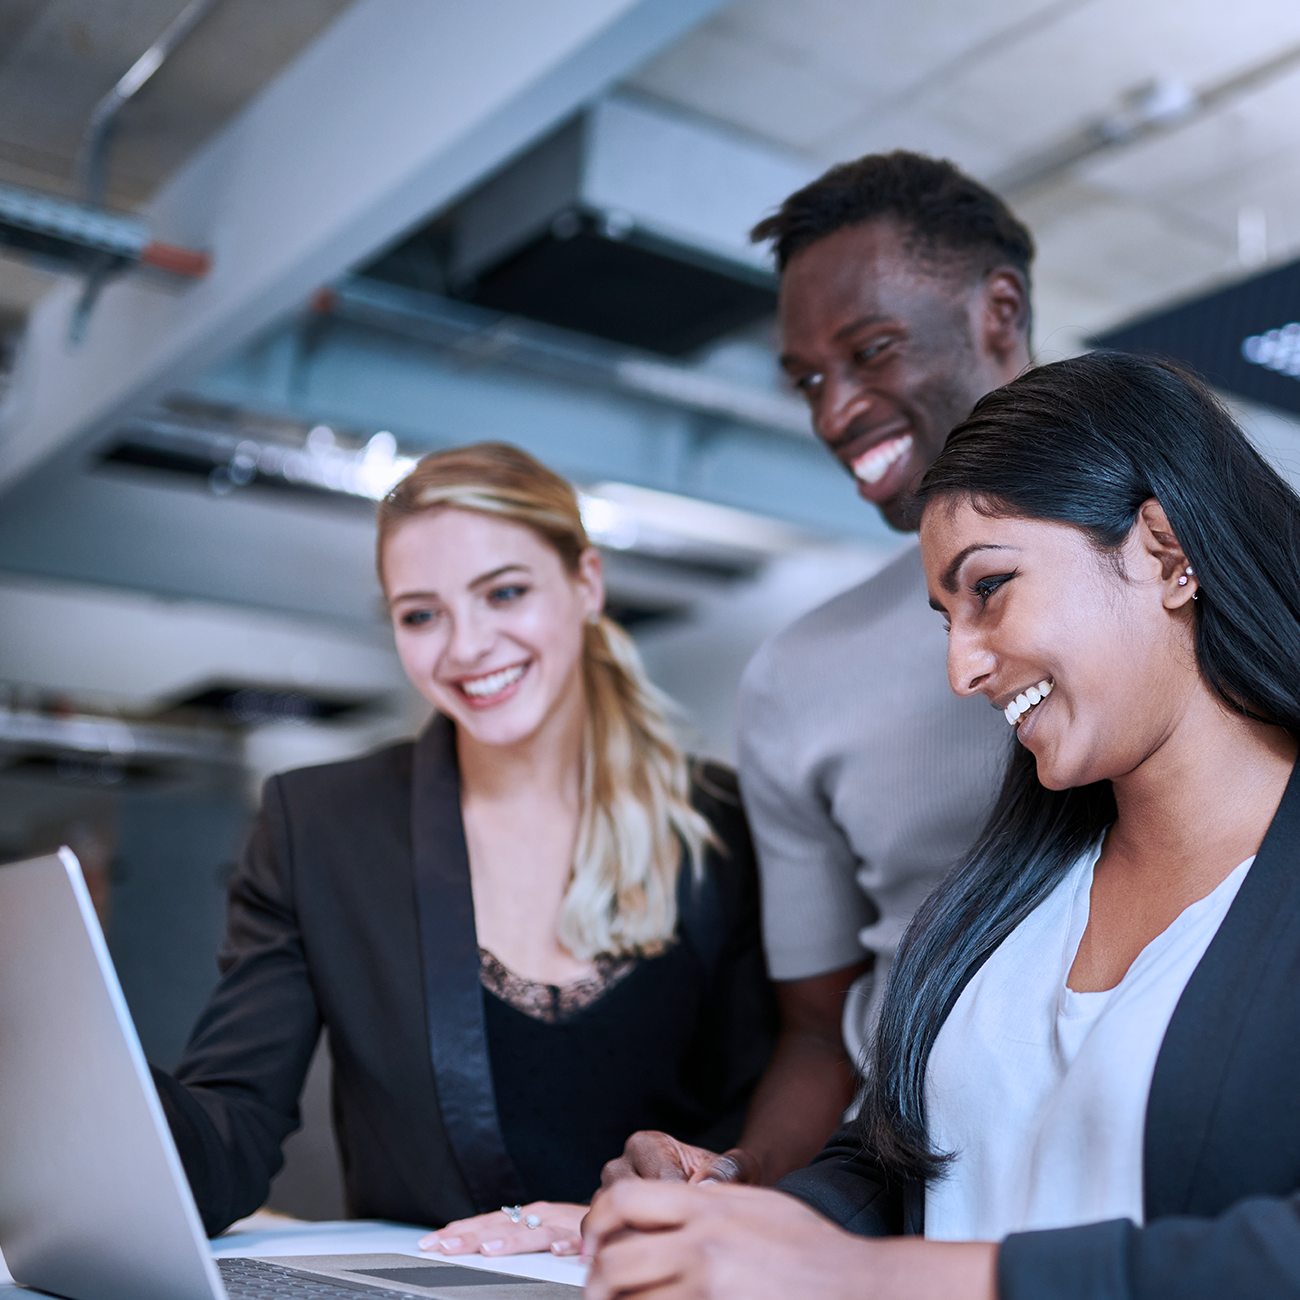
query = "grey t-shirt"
{"x": 864, "y": 777}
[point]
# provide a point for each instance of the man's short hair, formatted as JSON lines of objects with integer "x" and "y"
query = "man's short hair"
{"x": 943, "y": 214}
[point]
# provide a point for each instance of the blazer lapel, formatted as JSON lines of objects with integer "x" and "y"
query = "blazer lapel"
{"x": 449, "y": 954}
{"x": 1211, "y": 1015}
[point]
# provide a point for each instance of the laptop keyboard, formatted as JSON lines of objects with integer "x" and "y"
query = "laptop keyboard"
{"x": 253, "y": 1279}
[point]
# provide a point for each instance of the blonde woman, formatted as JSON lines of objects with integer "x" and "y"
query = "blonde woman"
{"x": 530, "y": 933}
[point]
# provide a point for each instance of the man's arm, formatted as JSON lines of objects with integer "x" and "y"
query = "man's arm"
{"x": 809, "y": 1083}
{"x": 797, "y": 1105}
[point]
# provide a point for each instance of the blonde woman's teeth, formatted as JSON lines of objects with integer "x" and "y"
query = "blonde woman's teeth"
{"x": 1026, "y": 701}
{"x": 481, "y": 687}
{"x": 872, "y": 465}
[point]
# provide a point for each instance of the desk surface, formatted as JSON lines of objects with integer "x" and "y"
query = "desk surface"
{"x": 269, "y": 1234}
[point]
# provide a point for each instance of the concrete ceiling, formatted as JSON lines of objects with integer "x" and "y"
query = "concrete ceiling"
{"x": 990, "y": 85}
{"x": 58, "y": 58}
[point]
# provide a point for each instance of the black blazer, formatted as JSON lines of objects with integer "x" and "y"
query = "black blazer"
{"x": 1221, "y": 1159}
{"x": 352, "y": 909}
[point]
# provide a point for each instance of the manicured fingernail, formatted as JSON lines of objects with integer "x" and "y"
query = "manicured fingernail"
{"x": 704, "y": 1182}
{"x": 489, "y": 1246}
{"x": 448, "y": 1243}
{"x": 564, "y": 1248}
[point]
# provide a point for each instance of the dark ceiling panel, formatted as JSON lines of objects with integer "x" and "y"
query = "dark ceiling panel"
{"x": 1244, "y": 339}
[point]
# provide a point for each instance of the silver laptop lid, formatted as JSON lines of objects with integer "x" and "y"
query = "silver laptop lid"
{"x": 94, "y": 1203}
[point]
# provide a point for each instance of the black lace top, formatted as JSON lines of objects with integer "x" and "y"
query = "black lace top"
{"x": 551, "y": 1003}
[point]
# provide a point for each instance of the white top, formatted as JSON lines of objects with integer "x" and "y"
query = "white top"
{"x": 1042, "y": 1092}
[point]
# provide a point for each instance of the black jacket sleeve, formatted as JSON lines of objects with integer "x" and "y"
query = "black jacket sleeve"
{"x": 234, "y": 1097}
{"x": 847, "y": 1185}
{"x": 1250, "y": 1252}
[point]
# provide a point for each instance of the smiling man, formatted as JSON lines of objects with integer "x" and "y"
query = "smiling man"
{"x": 904, "y": 299}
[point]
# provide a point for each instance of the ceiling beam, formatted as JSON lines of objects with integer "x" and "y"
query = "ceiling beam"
{"x": 398, "y": 108}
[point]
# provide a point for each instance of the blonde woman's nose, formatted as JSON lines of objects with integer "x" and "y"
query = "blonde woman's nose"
{"x": 471, "y": 637}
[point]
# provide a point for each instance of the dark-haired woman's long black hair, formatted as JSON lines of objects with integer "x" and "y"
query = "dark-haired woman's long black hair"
{"x": 1085, "y": 442}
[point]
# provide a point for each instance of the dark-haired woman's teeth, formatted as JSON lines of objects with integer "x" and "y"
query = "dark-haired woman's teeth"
{"x": 870, "y": 467}
{"x": 493, "y": 682}
{"x": 1026, "y": 701}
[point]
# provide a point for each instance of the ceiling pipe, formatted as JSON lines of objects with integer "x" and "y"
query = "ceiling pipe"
{"x": 1153, "y": 109}
{"x": 97, "y": 139}
{"x": 473, "y": 336}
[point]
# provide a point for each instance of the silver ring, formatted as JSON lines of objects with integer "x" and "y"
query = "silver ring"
{"x": 532, "y": 1221}
{"x": 513, "y": 1212}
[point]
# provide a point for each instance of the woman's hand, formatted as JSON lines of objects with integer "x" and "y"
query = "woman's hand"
{"x": 667, "y": 1241}
{"x": 657, "y": 1156}
{"x": 556, "y": 1229}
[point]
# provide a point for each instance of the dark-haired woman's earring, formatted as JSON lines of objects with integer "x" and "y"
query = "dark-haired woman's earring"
{"x": 1182, "y": 582}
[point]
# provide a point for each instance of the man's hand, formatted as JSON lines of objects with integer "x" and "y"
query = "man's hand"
{"x": 661, "y": 1158}
{"x": 543, "y": 1225}
{"x": 666, "y": 1241}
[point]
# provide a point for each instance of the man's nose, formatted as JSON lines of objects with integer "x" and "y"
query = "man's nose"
{"x": 970, "y": 662}
{"x": 843, "y": 400}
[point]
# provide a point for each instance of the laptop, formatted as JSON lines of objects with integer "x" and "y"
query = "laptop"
{"x": 94, "y": 1203}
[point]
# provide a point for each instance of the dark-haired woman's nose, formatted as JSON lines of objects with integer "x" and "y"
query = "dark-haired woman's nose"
{"x": 971, "y": 664}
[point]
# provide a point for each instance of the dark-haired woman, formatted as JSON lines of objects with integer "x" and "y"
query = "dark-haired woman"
{"x": 1087, "y": 1077}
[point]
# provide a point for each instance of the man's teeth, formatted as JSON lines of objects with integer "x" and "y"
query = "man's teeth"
{"x": 493, "y": 682}
{"x": 870, "y": 467}
{"x": 1026, "y": 701}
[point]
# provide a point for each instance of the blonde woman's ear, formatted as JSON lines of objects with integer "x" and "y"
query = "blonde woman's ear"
{"x": 591, "y": 577}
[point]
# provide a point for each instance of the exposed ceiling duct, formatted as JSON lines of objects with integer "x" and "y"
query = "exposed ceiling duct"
{"x": 476, "y": 337}
{"x": 628, "y": 223}
{"x": 662, "y": 527}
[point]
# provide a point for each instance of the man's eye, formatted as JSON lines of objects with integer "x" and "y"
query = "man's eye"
{"x": 416, "y": 617}
{"x": 807, "y": 384}
{"x": 872, "y": 350}
{"x": 985, "y": 587}
{"x": 504, "y": 595}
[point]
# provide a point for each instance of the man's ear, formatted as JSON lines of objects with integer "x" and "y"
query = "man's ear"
{"x": 1159, "y": 541}
{"x": 1005, "y": 314}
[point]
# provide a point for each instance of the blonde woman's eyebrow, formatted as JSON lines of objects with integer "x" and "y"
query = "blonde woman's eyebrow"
{"x": 473, "y": 582}
{"x": 499, "y": 573}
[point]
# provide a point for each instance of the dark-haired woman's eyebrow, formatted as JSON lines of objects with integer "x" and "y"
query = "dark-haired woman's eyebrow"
{"x": 949, "y": 579}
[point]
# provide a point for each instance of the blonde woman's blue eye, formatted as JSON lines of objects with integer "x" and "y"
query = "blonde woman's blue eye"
{"x": 504, "y": 595}
{"x": 416, "y": 617}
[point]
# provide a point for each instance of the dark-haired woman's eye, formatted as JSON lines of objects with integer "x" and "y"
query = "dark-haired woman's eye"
{"x": 416, "y": 618}
{"x": 985, "y": 587}
{"x": 504, "y": 595}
